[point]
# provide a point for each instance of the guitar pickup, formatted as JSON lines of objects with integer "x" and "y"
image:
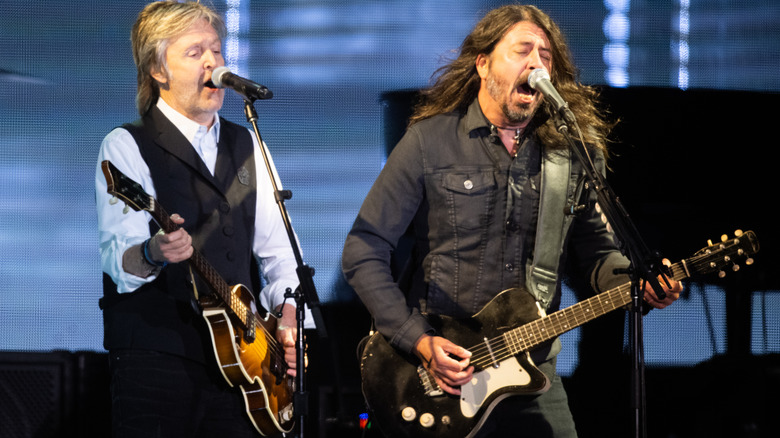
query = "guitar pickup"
{"x": 250, "y": 334}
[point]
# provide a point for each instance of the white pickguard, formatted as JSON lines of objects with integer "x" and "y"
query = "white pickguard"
{"x": 485, "y": 382}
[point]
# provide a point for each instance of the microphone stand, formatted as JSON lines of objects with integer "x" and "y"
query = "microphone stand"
{"x": 305, "y": 294}
{"x": 645, "y": 266}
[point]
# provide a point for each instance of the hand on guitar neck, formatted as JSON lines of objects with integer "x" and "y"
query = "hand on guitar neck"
{"x": 176, "y": 246}
{"x": 172, "y": 247}
{"x": 671, "y": 287}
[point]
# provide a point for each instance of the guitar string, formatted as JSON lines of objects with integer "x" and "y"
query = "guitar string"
{"x": 525, "y": 337}
{"x": 559, "y": 321}
{"x": 700, "y": 263}
{"x": 502, "y": 348}
{"x": 230, "y": 300}
{"x": 481, "y": 356}
{"x": 162, "y": 217}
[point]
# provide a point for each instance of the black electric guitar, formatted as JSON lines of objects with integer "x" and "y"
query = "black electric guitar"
{"x": 249, "y": 356}
{"x": 404, "y": 399}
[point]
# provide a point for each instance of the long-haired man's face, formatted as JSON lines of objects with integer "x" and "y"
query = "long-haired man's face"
{"x": 505, "y": 96}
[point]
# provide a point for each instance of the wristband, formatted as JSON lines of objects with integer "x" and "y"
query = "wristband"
{"x": 149, "y": 258}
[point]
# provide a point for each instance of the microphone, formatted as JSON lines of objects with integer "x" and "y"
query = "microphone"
{"x": 222, "y": 77}
{"x": 539, "y": 80}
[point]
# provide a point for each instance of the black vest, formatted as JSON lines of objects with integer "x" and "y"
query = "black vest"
{"x": 219, "y": 214}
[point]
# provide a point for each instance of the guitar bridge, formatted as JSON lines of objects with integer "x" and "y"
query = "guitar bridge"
{"x": 430, "y": 387}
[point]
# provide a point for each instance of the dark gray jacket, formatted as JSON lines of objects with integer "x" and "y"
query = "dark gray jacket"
{"x": 473, "y": 211}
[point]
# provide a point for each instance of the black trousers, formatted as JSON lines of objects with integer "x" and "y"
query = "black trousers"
{"x": 157, "y": 395}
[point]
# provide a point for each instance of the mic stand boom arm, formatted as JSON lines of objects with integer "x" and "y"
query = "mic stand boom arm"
{"x": 305, "y": 294}
{"x": 645, "y": 266}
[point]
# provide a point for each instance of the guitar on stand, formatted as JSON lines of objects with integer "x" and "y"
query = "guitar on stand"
{"x": 248, "y": 355}
{"x": 404, "y": 399}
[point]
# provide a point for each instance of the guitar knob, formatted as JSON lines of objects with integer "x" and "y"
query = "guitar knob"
{"x": 408, "y": 413}
{"x": 426, "y": 420}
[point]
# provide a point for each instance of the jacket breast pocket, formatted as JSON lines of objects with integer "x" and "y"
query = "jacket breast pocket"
{"x": 470, "y": 198}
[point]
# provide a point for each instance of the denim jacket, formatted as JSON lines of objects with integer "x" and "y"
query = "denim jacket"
{"x": 452, "y": 181}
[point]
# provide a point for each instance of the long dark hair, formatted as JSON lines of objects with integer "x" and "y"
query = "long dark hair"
{"x": 457, "y": 84}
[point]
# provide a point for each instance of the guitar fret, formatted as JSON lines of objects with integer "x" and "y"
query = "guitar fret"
{"x": 511, "y": 340}
{"x": 119, "y": 185}
{"x": 533, "y": 333}
{"x": 204, "y": 268}
{"x": 534, "y": 330}
{"x": 554, "y": 324}
{"x": 523, "y": 338}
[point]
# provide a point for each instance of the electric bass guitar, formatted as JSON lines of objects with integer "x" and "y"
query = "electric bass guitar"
{"x": 248, "y": 355}
{"x": 405, "y": 401}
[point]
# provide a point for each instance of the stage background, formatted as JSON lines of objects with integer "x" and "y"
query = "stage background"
{"x": 696, "y": 83}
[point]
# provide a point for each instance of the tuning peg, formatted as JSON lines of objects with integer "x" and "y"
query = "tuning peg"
{"x": 126, "y": 209}
{"x": 113, "y": 200}
{"x": 724, "y": 238}
{"x": 738, "y": 233}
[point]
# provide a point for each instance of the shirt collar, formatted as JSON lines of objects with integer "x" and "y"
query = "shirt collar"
{"x": 475, "y": 119}
{"x": 188, "y": 127}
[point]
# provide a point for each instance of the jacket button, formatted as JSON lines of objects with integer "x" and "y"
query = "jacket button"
{"x": 468, "y": 184}
{"x": 509, "y": 267}
{"x": 228, "y": 230}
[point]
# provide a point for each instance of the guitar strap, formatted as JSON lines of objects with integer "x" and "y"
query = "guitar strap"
{"x": 542, "y": 274}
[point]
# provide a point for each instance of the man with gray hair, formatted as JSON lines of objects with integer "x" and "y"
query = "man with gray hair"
{"x": 164, "y": 352}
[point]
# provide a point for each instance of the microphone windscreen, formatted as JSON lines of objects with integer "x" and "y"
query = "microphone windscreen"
{"x": 534, "y": 78}
{"x": 216, "y": 75}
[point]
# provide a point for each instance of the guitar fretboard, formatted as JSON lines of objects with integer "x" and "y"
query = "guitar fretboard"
{"x": 207, "y": 272}
{"x": 530, "y": 335}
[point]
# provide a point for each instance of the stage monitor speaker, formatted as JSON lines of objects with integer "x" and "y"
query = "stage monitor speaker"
{"x": 36, "y": 391}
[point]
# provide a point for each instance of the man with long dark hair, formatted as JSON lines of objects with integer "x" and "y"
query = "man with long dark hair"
{"x": 482, "y": 176}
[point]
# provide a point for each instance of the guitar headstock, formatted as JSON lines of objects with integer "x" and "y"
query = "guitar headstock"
{"x": 725, "y": 254}
{"x": 120, "y": 186}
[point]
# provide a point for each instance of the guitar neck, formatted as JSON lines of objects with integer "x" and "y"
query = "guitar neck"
{"x": 530, "y": 335}
{"x": 204, "y": 269}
